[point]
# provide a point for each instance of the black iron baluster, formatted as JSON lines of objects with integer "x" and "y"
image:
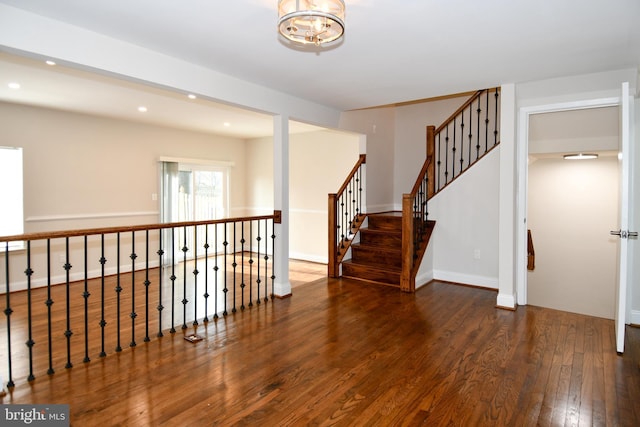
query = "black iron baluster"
{"x": 30, "y": 342}
{"x": 68, "y": 332}
{"x": 206, "y": 273}
{"x": 160, "y": 307}
{"x": 133, "y": 314}
{"x": 185, "y": 249}
{"x": 453, "y": 152}
{"x": 195, "y": 275}
{"x": 173, "y": 280}
{"x": 486, "y": 125}
{"x": 103, "y": 322}
{"x": 242, "y": 284}
{"x": 479, "y": 111}
{"x": 118, "y": 294}
{"x": 359, "y": 180}
{"x": 446, "y": 156}
{"x": 251, "y": 264}
{"x": 495, "y": 120}
{"x": 85, "y": 296}
{"x": 225, "y": 289}
{"x": 215, "y": 269}
{"x": 258, "y": 281}
{"x": 350, "y": 202}
{"x": 266, "y": 262}
{"x": 461, "y": 141}
{"x": 234, "y": 265}
{"x": 49, "y": 303}
{"x": 147, "y": 282}
{"x": 7, "y": 312}
{"x": 273, "y": 255}
{"x": 470, "y": 133}
{"x": 439, "y": 163}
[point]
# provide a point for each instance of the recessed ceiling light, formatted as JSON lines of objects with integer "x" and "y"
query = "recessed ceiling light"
{"x": 14, "y": 85}
{"x": 227, "y": 124}
{"x": 50, "y": 62}
{"x": 142, "y": 109}
{"x": 191, "y": 96}
{"x": 580, "y": 156}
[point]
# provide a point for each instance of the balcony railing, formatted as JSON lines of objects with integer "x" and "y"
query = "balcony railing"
{"x": 74, "y": 295}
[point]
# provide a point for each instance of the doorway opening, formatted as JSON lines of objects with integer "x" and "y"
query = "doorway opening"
{"x": 571, "y": 207}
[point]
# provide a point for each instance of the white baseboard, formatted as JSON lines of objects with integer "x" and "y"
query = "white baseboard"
{"x": 308, "y": 257}
{"x": 423, "y": 279}
{"x": 506, "y": 301}
{"x": 74, "y": 276}
{"x": 466, "y": 279}
{"x": 635, "y": 317}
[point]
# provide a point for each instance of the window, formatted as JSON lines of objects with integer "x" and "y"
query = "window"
{"x": 193, "y": 191}
{"x": 11, "y": 214}
{"x": 202, "y": 193}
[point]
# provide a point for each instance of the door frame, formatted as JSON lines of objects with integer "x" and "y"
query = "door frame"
{"x": 524, "y": 114}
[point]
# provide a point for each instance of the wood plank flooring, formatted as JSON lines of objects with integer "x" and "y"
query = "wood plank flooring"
{"x": 344, "y": 353}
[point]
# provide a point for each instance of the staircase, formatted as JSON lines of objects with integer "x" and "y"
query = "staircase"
{"x": 378, "y": 255}
{"x": 391, "y": 248}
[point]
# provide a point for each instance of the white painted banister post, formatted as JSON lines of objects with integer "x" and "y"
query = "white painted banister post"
{"x": 282, "y": 286}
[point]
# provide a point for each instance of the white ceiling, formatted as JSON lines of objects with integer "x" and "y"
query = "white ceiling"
{"x": 80, "y": 91}
{"x": 393, "y": 51}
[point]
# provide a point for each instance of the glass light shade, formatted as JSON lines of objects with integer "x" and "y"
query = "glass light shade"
{"x": 580, "y": 156}
{"x": 311, "y": 21}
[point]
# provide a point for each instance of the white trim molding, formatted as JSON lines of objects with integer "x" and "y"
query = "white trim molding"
{"x": 466, "y": 279}
{"x": 99, "y": 215}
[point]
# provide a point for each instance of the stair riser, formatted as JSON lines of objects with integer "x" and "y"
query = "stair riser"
{"x": 367, "y": 273}
{"x": 380, "y": 239}
{"x": 380, "y": 222}
{"x": 365, "y": 255}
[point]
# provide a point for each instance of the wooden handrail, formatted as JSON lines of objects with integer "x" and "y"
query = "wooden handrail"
{"x": 361, "y": 160}
{"x": 531, "y": 253}
{"x": 276, "y": 216}
{"x": 459, "y": 110}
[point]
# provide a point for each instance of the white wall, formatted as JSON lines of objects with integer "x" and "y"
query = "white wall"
{"x": 319, "y": 162}
{"x": 378, "y": 126}
{"x": 410, "y": 138}
{"x": 572, "y": 206}
{"x": 465, "y": 238}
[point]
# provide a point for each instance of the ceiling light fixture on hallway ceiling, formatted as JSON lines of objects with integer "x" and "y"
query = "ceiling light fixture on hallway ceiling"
{"x": 580, "y": 156}
{"x": 311, "y": 21}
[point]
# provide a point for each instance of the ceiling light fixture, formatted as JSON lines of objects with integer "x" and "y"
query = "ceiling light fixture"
{"x": 191, "y": 96}
{"x": 50, "y": 62}
{"x": 142, "y": 109}
{"x": 311, "y": 21}
{"x": 580, "y": 156}
{"x": 14, "y": 85}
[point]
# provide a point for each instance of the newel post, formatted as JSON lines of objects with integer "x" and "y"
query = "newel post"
{"x": 431, "y": 168}
{"x": 407, "y": 283}
{"x": 332, "y": 263}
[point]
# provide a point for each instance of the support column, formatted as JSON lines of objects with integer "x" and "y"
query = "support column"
{"x": 282, "y": 286}
{"x": 508, "y": 200}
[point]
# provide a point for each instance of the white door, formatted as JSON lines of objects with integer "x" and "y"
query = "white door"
{"x": 625, "y": 266}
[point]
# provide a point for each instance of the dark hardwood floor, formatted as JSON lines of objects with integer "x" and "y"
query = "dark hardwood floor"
{"x": 339, "y": 352}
